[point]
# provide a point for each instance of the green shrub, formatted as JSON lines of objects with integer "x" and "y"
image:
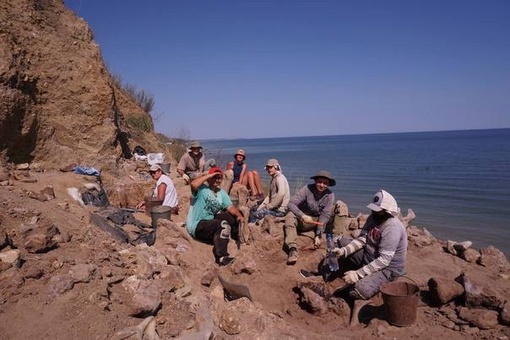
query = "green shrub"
{"x": 140, "y": 123}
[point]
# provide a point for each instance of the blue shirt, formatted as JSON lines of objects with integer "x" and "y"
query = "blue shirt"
{"x": 204, "y": 205}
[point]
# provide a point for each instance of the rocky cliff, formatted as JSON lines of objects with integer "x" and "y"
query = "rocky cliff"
{"x": 58, "y": 103}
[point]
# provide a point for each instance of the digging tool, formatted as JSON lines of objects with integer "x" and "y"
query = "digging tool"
{"x": 234, "y": 290}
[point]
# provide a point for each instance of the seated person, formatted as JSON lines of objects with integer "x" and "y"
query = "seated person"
{"x": 212, "y": 217}
{"x": 309, "y": 211}
{"x": 249, "y": 178}
{"x": 276, "y": 202}
{"x": 378, "y": 254}
{"x": 192, "y": 164}
{"x": 164, "y": 190}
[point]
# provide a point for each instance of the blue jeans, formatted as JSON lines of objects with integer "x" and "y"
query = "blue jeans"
{"x": 256, "y": 215}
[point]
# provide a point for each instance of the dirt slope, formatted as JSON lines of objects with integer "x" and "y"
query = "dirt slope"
{"x": 62, "y": 277}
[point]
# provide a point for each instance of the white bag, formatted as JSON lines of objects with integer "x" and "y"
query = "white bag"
{"x": 155, "y": 158}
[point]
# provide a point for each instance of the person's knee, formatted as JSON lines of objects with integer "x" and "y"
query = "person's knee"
{"x": 290, "y": 220}
{"x": 364, "y": 290}
{"x": 225, "y": 230}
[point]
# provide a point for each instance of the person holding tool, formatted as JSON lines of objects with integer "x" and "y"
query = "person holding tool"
{"x": 309, "y": 211}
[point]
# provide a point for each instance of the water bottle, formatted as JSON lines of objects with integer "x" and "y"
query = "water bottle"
{"x": 332, "y": 260}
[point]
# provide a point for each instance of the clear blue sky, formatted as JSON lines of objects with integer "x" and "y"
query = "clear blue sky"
{"x": 279, "y": 68}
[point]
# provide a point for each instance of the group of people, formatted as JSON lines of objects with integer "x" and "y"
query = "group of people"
{"x": 376, "y": 256}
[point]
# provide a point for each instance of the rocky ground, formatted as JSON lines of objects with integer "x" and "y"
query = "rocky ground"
{"x": 64, "y": 274}
{"x": 63, "y": 277}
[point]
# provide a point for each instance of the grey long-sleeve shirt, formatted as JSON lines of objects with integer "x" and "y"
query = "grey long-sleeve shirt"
{"x": 308, "y": 201}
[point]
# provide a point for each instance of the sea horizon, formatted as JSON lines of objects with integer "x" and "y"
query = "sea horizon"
{"x": 456, "y": 181}
{"x": 205, "y": 140}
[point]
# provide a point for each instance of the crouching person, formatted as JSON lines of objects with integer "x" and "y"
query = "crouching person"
{"x": 212, "y": 218}
{"x": 378, "y": 255}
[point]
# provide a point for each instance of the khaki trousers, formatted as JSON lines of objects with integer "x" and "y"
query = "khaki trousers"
{"x": 295, "y": 226}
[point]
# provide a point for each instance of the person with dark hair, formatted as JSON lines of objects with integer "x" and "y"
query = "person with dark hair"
{"x": 378, "y": 254}
{"x": 309, "y": 211}
{"x": 212, "y": 218}
{"x": 276, "y": 202}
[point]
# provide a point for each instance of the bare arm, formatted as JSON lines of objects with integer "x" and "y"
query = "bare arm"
{"x": 234, "y": 211}
{"x": 161, "y": 191}
{"x": 197, "y": 182}
{"x": 243, "y": 173}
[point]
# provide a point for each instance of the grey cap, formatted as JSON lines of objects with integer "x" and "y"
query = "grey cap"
{"x": 195, "y": 144}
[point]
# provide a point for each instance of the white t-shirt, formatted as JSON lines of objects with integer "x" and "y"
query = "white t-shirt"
{"x": 171, "y": 199}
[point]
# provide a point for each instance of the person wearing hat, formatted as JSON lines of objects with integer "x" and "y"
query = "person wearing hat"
{"x": 378, "y": 254}
{"x": 309, "y": 211}
{"x": 241, "y": 175}
{"x": 211, "y": 216}
{"x": 164, "y": 190}
{"x": 276, "y": 202}
{"x": 192, "y": 164}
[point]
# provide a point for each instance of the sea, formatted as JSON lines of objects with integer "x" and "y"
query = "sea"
{"x": 456, "y": 182}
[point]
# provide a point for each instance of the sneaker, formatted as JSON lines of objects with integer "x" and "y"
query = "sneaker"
{"x": 306, "y": 274}
{"x": 225, "y": 260}
{"x": 292, "y": 259}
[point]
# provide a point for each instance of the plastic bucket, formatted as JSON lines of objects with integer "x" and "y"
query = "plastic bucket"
{"x": 158, "y": 212}
{"x": 165, "y": 167}
{"x": 401, "y": 302}
{"x": 151, "y": 202}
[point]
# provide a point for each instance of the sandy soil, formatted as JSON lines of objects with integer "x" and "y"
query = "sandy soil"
{"x": 30, "y": 308}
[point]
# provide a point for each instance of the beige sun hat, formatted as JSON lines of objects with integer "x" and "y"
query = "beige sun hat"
{"x": 241, "y": 153}
{"x": 155, "y": 167}
{"x": 324, "y": 174}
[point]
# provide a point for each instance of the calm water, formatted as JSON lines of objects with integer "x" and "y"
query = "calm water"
{"x": 457, "y": 182}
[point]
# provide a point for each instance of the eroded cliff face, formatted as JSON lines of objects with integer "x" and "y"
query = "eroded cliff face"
{"x": 56, "y": 95}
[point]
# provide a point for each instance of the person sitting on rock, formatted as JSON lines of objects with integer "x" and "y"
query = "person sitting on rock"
{"x": 163, "y": 191}
{"x": 212, "y": 217}
{"x": 378, "y": 254}
{"x": 192, "y": 164}
{"x": 241, "y": 175}
{"x": 276, "y": 202}
{"x": 309, "y": 211}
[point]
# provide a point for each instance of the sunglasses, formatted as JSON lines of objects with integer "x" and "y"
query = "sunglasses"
{"x": 269, "y": 167}
{"x": 152, "y": 172}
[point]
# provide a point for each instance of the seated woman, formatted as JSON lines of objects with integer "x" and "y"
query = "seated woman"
{"x": 249, "y": 178}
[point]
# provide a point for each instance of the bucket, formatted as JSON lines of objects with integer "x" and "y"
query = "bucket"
{"x": 161, "y": 211}
{"x": 151, "y": 202}
{"x": 401, "y": 301}
{"x": 165, "y": 167}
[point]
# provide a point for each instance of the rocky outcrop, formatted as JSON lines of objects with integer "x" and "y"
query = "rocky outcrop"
{"x": 56, "y": 95}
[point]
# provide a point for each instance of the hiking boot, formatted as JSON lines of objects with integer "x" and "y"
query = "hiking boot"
{"x": 306, "y": 274}
{"x": 225, "y": 260}
{"x": 292, "y": 259}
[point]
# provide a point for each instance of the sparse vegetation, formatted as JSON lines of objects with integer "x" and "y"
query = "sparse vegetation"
{"x": 141, "y": 97}
{"x": 140, "y": 123}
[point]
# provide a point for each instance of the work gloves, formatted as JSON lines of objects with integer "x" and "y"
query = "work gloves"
{"x": 351, "y": 277}
{"x": 340, "y": 252}
{"x": 186, "y": 178}
{"x": 307, "y": 219}
{"x": 317, "y": 242}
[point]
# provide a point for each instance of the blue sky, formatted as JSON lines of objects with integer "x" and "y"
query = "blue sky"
{"x": 281, "y": 68}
